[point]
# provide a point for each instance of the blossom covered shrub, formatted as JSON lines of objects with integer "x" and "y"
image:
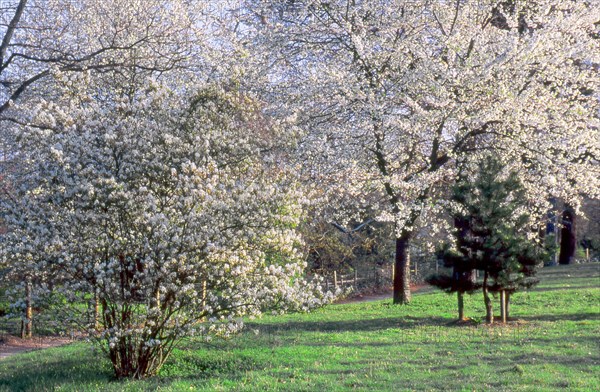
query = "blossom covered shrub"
{"x": 166, "y": 209}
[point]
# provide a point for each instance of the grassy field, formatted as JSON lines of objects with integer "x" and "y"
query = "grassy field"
{"x": 372, "y": 346}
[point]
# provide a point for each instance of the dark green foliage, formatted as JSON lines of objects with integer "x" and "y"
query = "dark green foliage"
{"x": 461, "y": 280}
{"x": 498, "y": 225}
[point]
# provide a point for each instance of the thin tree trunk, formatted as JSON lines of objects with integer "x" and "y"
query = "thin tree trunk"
{"x": 461, "y": 306}
{"x": 503, "y": 306}
{"x": 402, "y": 271}
{"x": 27, "y": 323}
{"x": 157, "y": 298}
{"x": 96, "y": 309}
{"x": 416, "y": 267}
{"x": 203, "y": 294}
{"x": 489, "y": 307}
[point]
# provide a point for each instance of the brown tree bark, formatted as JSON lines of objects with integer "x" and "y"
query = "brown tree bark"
{"x": 503, "y": 306}
{"x": 96, "y": 310}
{"x": 26, "y": 324}
{"x": 402, "y": 268}
{"x": 489, "y": 307}
{"x": 461, "y": 306}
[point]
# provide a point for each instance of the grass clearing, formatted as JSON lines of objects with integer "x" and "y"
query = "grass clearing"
{"x": 370, "y": 346}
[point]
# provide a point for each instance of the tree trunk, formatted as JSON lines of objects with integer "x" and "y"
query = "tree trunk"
{"x": 507, "y": 305}
{"x": 568, "y": 239}
{"x": 461, "y": 306}
{"x": 402, "y": 271}
{"x": 489, "y": 308}
{"x": 26, "y": 324}
{"x": 551, "y": 230}
{"x": 203, "y": 294}
{"x": 503, "y": 306}
{"x": 96, "y": 309}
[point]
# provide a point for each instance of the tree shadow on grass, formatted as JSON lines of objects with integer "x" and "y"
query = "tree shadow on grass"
{"x": 580, "y": 362}
{"x": 190, "y": 365}
{"x": 591, "y": 285}
{"x": 50, "y": 375}
{"x": 364, "y": 325}
{"x": 90, "y": 372}
{"x": 348, "y": 344}
{"x": 562, "y": 317}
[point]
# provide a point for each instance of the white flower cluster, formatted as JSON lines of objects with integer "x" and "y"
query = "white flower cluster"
{"x": 396, "y": 104}
{"x": 163, "y": 209}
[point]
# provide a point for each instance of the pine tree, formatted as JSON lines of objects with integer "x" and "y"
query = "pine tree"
{"x": 491, "y": 236}
{"x": 463, "y": 267}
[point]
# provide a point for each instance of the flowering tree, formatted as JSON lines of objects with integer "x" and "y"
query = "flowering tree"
{"x": 40, "y": 37}
{"x": 395, "y": 96}
{"x": 169, "y": 208}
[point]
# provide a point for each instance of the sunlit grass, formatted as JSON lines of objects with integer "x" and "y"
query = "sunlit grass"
{"x": 552, "y": 345}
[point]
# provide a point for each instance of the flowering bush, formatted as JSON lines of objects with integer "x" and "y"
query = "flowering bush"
{"x": 167, "y": 208}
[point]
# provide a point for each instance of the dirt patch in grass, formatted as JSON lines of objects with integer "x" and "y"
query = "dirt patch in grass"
{"x": 10, "y": 345}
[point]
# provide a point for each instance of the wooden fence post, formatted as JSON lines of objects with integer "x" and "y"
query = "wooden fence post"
{"x": 335, "y": 282}
{"x": 355, "y": 280}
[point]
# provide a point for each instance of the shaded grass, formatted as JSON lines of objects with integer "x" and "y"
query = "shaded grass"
{"x": 371, "y": 346}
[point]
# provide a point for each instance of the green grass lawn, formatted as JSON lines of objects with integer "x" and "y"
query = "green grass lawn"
{"x": 371, "y": 346}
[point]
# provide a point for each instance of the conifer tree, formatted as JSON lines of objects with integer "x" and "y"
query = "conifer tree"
{"x": 492, "y": 227}
{"x": 463, "y": 267}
